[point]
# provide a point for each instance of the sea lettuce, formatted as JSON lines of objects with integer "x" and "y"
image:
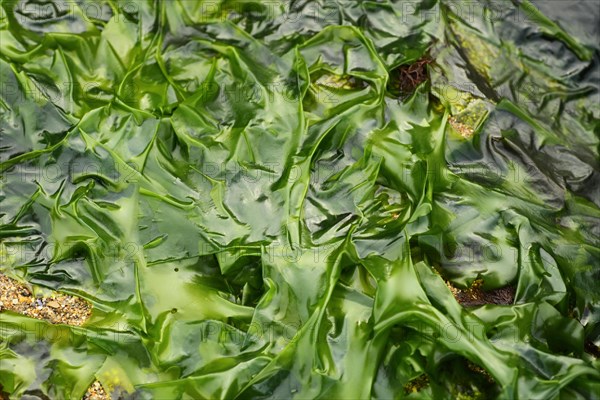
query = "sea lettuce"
{"x": 254, "y": 212}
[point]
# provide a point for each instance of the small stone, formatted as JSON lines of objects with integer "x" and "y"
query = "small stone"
{"x": 53, "y": 304}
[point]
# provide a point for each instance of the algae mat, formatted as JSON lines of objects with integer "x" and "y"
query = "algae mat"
{"x": 290, "y": 199}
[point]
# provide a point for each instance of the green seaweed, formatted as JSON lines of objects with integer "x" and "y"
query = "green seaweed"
{"x": 252, "y": 214}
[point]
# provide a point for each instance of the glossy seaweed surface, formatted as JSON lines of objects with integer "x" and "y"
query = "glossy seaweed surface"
{"x": 275, "y": 199}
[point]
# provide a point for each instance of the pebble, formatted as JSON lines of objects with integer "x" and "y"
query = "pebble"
{"x": 53, "y": 304}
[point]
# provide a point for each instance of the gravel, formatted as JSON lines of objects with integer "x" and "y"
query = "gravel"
{"x": 475, "y": 296}
{"x": 96, "y": 392}
{"x": 57, "y": 309}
